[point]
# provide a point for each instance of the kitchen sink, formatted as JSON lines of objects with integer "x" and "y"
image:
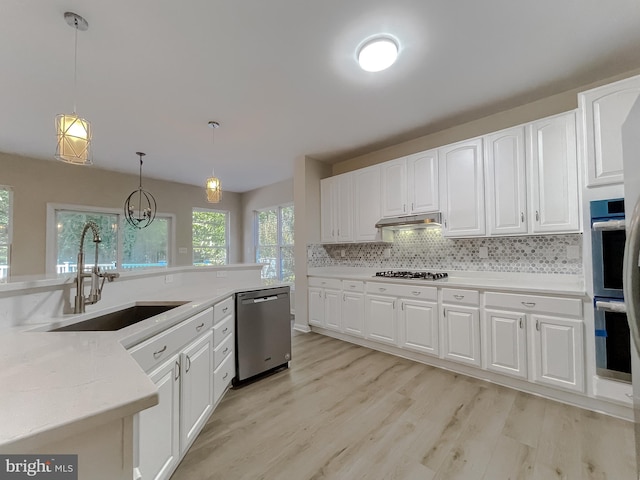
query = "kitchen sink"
{"x": 121, "y": 318}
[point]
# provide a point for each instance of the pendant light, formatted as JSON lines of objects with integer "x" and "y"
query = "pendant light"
{"x": 74, "y": 132}
{"x": 140, "y": 207}
{"x": 214, "y": 188}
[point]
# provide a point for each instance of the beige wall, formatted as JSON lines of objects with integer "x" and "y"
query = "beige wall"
{"x": 270, "y": 196}
{"x": 37, "y": 182}
{"x": 492, "y": 123}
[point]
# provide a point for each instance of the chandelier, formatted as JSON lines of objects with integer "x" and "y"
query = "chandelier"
{"x": 213, "y": 186}
{"x": 73, "y": 132}
{"x": 140, "y": 206}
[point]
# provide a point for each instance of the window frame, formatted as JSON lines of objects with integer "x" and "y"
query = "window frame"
{"x": 280, "y": 245}
{"x": 8, "y": 189}
{"x": 51, "y": 252}
{"x": 227, "y": 236}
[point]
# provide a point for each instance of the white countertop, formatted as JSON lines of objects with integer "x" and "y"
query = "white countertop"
{"x": 572, "y": 285}
{"x": 56, "y": 384}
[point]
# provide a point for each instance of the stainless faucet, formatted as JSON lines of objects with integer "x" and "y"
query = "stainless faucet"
{"x": 95, "y": 275}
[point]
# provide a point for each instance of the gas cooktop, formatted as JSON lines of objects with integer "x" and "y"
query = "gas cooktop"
{"x": 413, "y": 275}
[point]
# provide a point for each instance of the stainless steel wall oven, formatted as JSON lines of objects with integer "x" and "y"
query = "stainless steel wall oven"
{"x": 613, "y": 347}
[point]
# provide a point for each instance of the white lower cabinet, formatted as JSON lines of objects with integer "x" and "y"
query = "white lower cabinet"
{"x": 558, "y": 358}
{"x": 332, "y": 316}
{"x": 325, "y": 300}
{"x": 353, "y": 313}
{"x": 505, "y": 342}
{"x": 461, "y": 335}
{"x": 196, "y": 389}
{"x": 381, "y": 320}
{"x": 316, "y": 306}
{"x": 158, "y": 428}
{"x": 419, "y": 326}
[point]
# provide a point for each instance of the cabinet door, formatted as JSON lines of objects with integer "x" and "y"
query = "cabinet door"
{"x": 419, "y": 326}
{"x": 353, "y": 313}
{"x": 332, "y": 309}
{"x": 344, "y": 207}
{"x": 462, "y": 179}
{"x": 461, "y": 327}
{"x": 316, "y": 306}
{"x": 196, "y": 388}
{"x": 505, "y": 342}
{"x": 604, "y": 110}
{"x": 157, "y": 429}
{"x": 380, "y": 319}
{"x": 554, "y": 175}
{"x": 506, "y": 182}
{"x": 558, "y": 352}
{"x": 367, "y": 203}
{"x": 394, "y": 188}
{"x": 422, "y": 182}
{"x": 327, "y": 213}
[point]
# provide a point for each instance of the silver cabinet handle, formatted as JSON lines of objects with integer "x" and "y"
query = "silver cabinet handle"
{"x": 537, "y": 216}
{"x": 226, "y": 329}
{"x": 224, "y": 310}
{"x": 176, "y": 371}
{"x": 412, "y": 207}
{"x": 382, "y": 289}
{"x": 458, "y": 297}
{"x": 352, "y": 286}
{"x": 401, "y": 305}
{"x": 529, "y": 304}
{"x": 521, "y": 323}
{"x": 188, "y": 364}
{"x": 445, "y": 223}
{"x": 225, "y": 376}
{"x": 159, "y": 352}
{"x": 344, "y": 297}
{"x": 225, "y": 350}
{"x": 415, "y": 292}
{"x": 394, "y": 304}
{"x": 538, "y": 325}
{"x": 522, "y": 216}
{"x": 199, "y": 326}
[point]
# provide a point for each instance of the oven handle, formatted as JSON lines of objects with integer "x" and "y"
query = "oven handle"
{"x": 608, "y": 225}
{"x": 619, "y": 307}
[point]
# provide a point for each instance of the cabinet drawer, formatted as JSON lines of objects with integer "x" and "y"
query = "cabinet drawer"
{"x": 222, "y": 351}
{"x": 460, "y": 297}
{"x": 534, "y": 303}
{"x": 223, "y": 308}
{"x": 335, "y": 283}
{"x": 419, "y": 292}
{"x": 353, "y": 285}
{"x": 222, "y": 330}
{"x": 222, "y": 376}
{"x": 158, "y": 348}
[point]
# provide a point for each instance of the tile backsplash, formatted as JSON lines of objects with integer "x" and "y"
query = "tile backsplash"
{"x": 427, "y": 249}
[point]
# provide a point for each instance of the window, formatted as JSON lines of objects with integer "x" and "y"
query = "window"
{"x": 6, "y": 198}
{"x": 274, "y": 242}
{"x": 210, "y": 230}
{"x": 121, "y": 244}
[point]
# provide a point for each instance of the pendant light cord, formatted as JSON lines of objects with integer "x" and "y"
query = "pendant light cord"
{"x": 75, "y": 66}
{"x": 140, "y": 183}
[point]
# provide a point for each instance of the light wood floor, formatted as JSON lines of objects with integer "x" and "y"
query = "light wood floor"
{"x": 346, "y": 412}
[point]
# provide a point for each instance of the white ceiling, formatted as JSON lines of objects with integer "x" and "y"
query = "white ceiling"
{"x": 281, "y": 77}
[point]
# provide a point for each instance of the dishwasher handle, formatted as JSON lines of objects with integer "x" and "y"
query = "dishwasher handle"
{"x": 249, "y": 301}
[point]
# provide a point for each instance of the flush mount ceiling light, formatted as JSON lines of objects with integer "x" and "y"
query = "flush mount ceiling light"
{"x": 378, "y": 54}
{"x": 214, "y": 187}
{"x": 74, "y": 132}
{"x": 140, "y": 207}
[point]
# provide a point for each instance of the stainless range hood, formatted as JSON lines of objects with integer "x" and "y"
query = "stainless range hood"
{"x": 411, "y": 221}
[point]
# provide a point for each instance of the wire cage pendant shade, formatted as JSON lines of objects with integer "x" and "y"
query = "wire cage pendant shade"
{"x": 140, "y": 206}
{"x": 213, "y": 186}
{"x": 73, "y": 132}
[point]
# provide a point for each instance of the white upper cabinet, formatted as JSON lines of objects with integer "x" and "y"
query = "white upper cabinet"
{"x": 394, "y": 188}
{"x": 462, "y": 189}
{"x": 422, "y": 182}
{"x": 553, "y": 168}
{"x": 410, "y": 185}
{"x": 604, "y": 110}
{"x": 367, "y": 203}
{"x": 506, "y": 187}
{"x": 336, "y": 210}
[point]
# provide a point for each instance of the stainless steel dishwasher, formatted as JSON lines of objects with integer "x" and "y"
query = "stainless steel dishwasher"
{"x": 263, "y": 332}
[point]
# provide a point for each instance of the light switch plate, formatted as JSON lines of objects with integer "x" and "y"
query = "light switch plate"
{"x": 221, "y": 273}
{"x": 573, "y": 252}
{"x": 386, "y": 252}
{"x": 182, "y": 250}
{"x": 483, "y": 252}
{"x": 343, "y": 252}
